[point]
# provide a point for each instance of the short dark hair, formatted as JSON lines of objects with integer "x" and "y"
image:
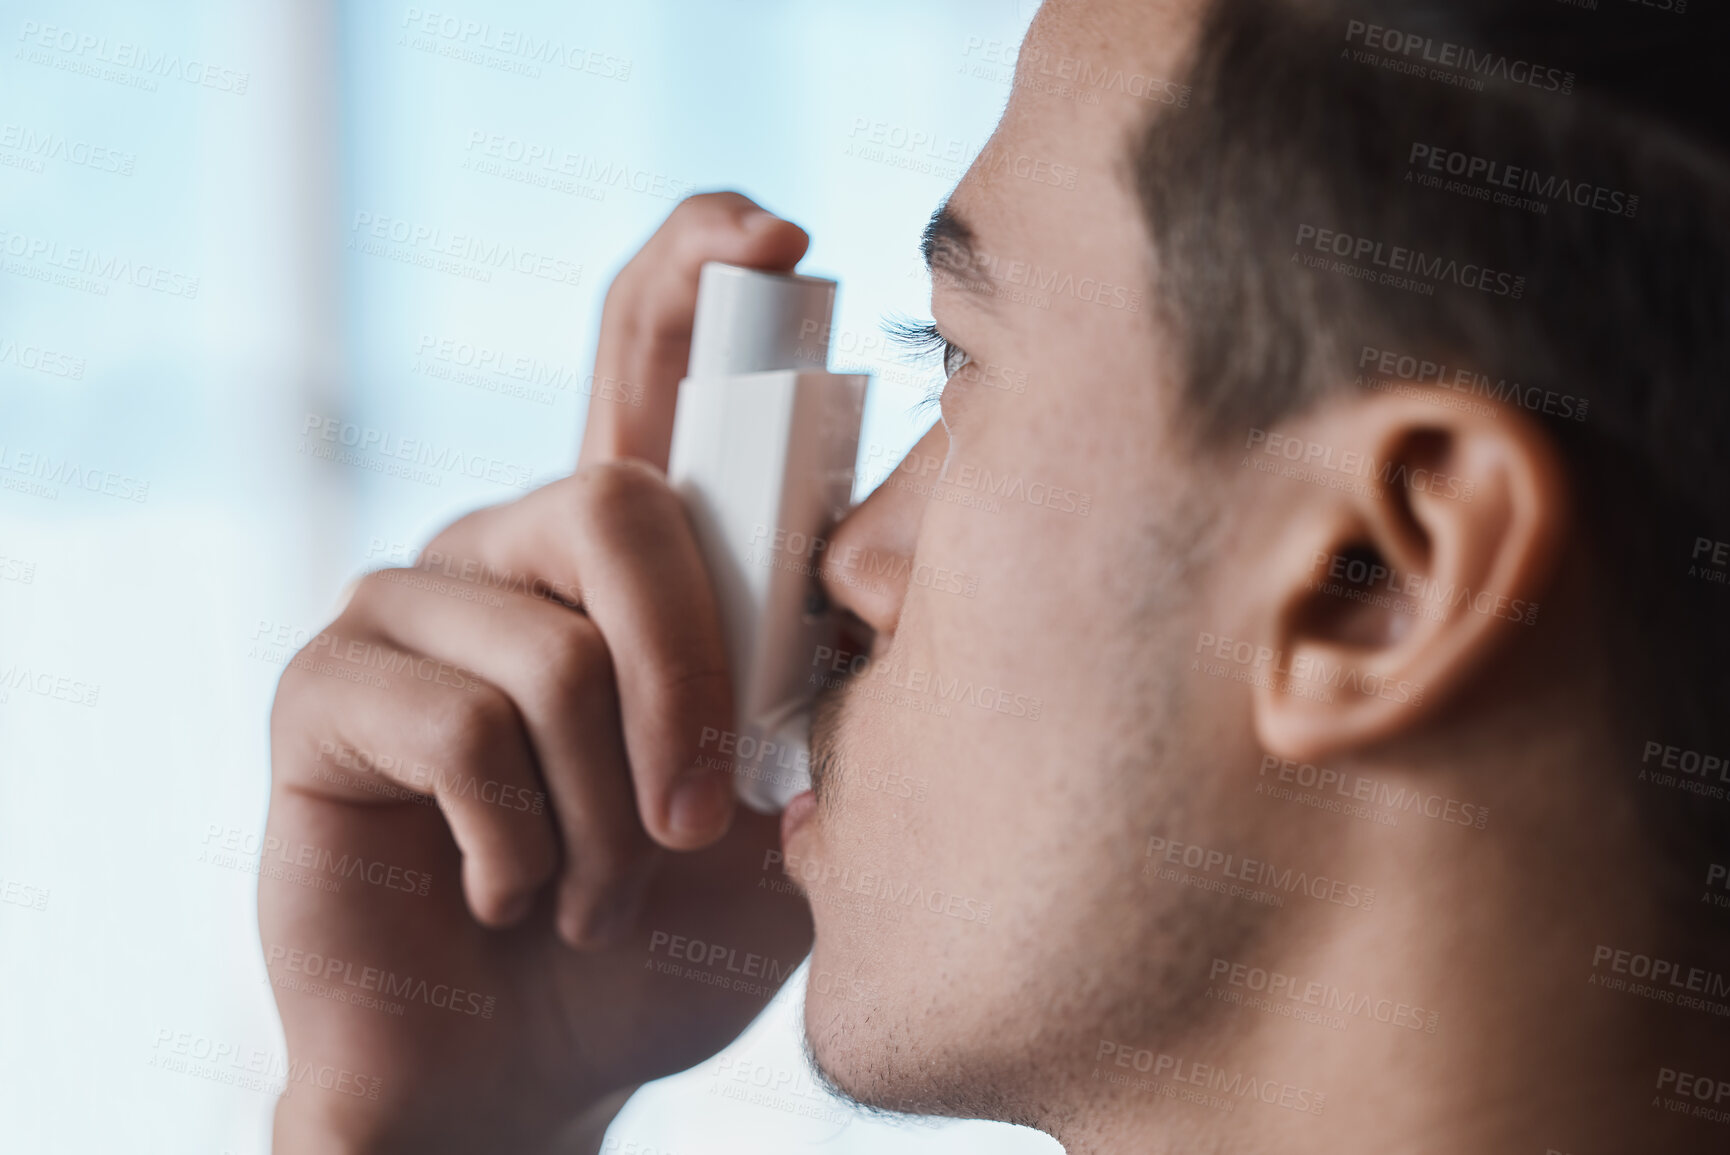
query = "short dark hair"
{"x": 1546, "y": 117}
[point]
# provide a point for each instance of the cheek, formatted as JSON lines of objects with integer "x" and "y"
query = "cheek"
{"x": 988, "y": 743}
{"x": 968, "y": 736}
{"x": 1038, "y": 668}
{"x": 1010, "y": 584}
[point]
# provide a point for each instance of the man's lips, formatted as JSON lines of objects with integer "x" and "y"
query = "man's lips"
{"x": 798, "y": 812}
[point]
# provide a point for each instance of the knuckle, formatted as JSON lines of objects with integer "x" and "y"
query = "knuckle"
{"x": 301, "y": 679}
{"x": 294, "y": 705}
{"x": 572, "y": 661}
{"x": 620, "y": 492}
{"x": 292, "y": 692}
{"x": 698, "y": 222}
{"x": 567, "y": 493}
{"x": 447, "y": 537}
{"x": 622, "y": 290}
{"x": 457, "y": 540}
{"x": 705, "y": 207}
{"x": 691, "y": 206}
{"x": 308, "y": 710}
{"x": 363, "y": 601}
{"x": 467, "y": 731}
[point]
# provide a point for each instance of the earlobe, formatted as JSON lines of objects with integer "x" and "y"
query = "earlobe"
{"x": 1399, "y": 582}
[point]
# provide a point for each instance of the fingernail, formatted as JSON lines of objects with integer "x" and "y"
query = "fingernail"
{"x": 699, "y": 804}
{"x": 758, "y": 219}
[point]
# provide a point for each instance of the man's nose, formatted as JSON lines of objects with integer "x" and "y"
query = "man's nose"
{"x": 871, "y": 550}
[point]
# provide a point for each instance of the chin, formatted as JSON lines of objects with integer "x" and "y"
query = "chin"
{"x": 868, "y": 1054}
{"x": 845, "y": 1039}
{"x": 829, "y": 1042}
{"x": 840, "y": 1016}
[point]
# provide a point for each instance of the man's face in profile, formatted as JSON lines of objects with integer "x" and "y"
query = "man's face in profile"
{"x": 988, "y": 781}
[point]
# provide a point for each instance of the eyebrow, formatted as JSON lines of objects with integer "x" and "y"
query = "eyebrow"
{"x": 948, "y": 246}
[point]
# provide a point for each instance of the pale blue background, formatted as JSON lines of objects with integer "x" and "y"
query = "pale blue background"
{"x": 168, "y": 605}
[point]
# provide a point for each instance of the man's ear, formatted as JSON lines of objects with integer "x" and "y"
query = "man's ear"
{"x": 1420, "y": 542}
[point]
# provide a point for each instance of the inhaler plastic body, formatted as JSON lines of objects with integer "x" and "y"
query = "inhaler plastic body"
{"x": 764, "y": 445}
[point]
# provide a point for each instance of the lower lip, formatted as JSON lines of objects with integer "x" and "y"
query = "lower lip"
{"x": 797, "y": 814}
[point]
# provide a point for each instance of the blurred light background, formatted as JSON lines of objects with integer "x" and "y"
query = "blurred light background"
{"x": 219, "y": 226}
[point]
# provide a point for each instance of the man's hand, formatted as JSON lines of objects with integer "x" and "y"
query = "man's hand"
{"x": 491, "y": 812}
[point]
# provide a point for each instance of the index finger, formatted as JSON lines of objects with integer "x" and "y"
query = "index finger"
{"x": 645, "y": 342}
{"x": 615, "y": 538}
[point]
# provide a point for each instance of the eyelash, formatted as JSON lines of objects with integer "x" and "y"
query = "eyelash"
{"x": 925, "y": 342}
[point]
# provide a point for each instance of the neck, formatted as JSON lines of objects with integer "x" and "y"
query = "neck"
{"x": 1466, "y": 1013}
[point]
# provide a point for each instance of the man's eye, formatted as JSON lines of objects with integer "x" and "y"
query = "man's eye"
{"x": 955, "y": 358}
{"x": 924, "y": 341}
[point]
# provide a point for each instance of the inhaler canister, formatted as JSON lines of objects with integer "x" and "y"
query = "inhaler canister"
{"x": 765, "y": 441}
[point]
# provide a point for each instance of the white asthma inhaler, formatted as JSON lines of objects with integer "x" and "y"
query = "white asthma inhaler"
{"x": 765, "y": 440}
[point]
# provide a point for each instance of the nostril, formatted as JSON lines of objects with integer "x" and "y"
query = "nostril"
{"x": 854, "y": 636}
